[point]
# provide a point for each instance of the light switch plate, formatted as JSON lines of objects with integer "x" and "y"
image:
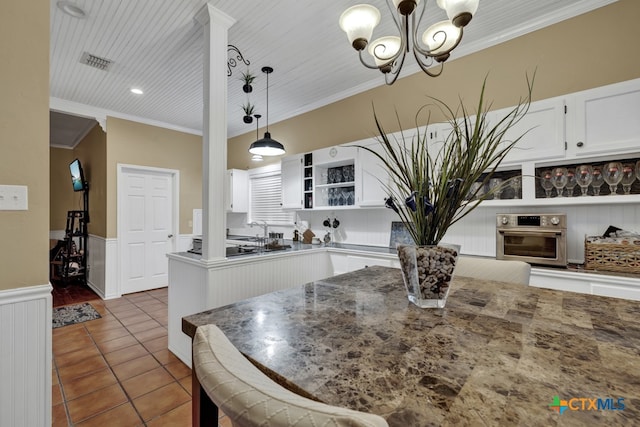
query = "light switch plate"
{"x": 13, "y": 198}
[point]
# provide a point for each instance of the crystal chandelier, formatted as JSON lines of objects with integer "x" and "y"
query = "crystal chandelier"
{"x": 389, "y": 52}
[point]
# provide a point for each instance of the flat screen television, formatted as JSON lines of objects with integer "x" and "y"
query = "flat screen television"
{"x": 77, "y": 176}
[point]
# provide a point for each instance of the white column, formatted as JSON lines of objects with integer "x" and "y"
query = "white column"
{"x": 214, "y": 131}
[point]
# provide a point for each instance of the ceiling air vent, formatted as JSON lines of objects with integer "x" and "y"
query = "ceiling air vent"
{"x": 95, "y": 61}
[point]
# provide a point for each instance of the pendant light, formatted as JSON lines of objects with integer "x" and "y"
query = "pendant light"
{"x": 267, "y": 146}
{"x": 257, "y": 157}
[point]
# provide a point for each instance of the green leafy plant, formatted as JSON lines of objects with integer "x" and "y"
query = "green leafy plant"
{"x": 247, "y": 78}
{"x": 431, "y": 191}
{"x": 248, "y": 108}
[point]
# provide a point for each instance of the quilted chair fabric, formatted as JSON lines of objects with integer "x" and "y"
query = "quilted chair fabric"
{"x": 250, "y": 398}
{"x": 517, "y": 272}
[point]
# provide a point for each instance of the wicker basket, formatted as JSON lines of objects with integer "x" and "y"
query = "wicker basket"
{"x": 612, "y": 257}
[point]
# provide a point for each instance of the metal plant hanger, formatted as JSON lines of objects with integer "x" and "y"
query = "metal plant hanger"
{"x": 233, "y": 61}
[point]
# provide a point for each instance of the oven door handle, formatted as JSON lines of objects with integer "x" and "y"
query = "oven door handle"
{"x": 530, "y": 233}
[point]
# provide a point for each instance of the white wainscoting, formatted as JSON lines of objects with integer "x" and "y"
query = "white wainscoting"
{"x": 195, "y": 286}
{"x": 25, "y": 356}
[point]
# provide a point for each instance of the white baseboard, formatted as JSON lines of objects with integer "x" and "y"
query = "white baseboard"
{"x": 25, "y": 362}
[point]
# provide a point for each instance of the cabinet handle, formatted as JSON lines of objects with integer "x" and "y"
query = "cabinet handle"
{"x": 580, "y": 144}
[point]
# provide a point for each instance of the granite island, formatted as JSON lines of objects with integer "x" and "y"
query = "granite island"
{"x": 498, "y": 354}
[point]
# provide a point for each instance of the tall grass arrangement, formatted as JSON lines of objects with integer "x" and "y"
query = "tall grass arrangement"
{"x": 430, "y": 188}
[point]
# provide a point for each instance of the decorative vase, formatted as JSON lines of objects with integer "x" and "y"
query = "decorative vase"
{"x": 246, "y": 88}
{"x": 427, "y": 272}
{"x": 247, "y": 119}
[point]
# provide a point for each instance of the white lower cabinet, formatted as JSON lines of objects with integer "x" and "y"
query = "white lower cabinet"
{"x": 342, "y": 262}
{"x": 586, "y": 283}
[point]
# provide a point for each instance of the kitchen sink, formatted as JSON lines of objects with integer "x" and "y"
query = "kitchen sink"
{"x": 241, "y": 250}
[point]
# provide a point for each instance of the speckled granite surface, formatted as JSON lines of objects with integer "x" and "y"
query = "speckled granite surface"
{"x": 496, "y": 355}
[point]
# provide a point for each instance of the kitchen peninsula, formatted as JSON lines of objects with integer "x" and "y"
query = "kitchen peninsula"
{"x": 498, "y": 354}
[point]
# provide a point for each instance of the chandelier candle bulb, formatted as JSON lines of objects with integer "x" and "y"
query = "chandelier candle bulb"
{"x": 358, "y": 22}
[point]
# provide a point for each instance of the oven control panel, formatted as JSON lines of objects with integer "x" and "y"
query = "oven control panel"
{"x": 547, "y": 221}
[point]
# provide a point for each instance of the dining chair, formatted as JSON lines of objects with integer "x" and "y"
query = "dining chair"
{"x": 250, "y": 398}
{"x": 510, "y": 271}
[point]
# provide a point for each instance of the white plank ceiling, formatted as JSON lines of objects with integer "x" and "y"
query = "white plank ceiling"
{"x": 157, "y": 46}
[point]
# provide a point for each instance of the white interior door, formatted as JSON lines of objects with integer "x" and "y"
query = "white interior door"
{"x": 145, "y": 228}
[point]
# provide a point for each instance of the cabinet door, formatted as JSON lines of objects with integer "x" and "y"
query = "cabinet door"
{"x": 237, "y": 195}
{"x": 371, "y": 176}
{"x": 606, "y": 119}
{"x": 542, "y": 132}
{"x": 291, "y": 174}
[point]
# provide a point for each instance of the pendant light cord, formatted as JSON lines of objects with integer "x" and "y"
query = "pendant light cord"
{"x": 267, "y": 71}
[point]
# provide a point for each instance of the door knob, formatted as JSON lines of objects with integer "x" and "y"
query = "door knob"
{"x": 169, "y": 236}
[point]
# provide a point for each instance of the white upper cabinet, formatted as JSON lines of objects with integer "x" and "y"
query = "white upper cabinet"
{"x": 237, "y": 195}
{"x": 606, "y": 120}
{"x": 291, "y": 174}
{"x": 334, "y": 154}
{"x": 542, "y": 132}
{"x": 371, "y": 175}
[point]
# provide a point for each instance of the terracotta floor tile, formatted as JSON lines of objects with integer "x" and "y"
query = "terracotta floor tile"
{"x": 156, "y": 344}
{"x": 59, "y": 416}
{"x": 88, "y": 383}
{"x": 71, "y": 343}
{"x": 178, "y": 369}
{"x": 124, "y": 354}
{"x": 150, "y": 334}
{"x": 80, "y": 369}
{"x": 225, "y": 422}
{"x": 178, "y": 417}
{"x": 103, "y": 324}
{"x": 124, "y": 310}
{"x": 110, "y": 334}
{"x": 116, "y": 344}
{"x": 147, "y": 382}
{"x": 143, "y": 326}
{"x": 130, "y": 315}
{"x": 73, "y": 357}
{"x": 95, "y": 403}
{"x": 64, "y": 330}
{"x": 135, "y": 367}
{"x": 56, "y": 394}
{"x": 161, "y": 401}
{"x": 123, "y": 415}
{"x": 54, "y": 375}
{"x": 165, "y": 357}
{"x": 152, "y": 307}
{"x": 134, "y": 320}
{"x": 186, "y": 384}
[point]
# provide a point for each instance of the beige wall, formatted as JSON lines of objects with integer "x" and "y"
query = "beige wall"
{"x": 92, "y": 152}
{"x": 143, "y": 145}
{"x": 24, "y": 140}
{"x": 590, "y": 50}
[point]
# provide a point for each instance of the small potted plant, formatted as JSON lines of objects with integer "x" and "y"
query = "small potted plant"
{"x": 247, "y": 78}
{"x": 248, "y": 112}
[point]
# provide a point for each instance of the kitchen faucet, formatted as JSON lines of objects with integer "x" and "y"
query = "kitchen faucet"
{"x": 265, "y": 226}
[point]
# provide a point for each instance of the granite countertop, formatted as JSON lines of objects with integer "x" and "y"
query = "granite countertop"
{"x": 496, "y": 355}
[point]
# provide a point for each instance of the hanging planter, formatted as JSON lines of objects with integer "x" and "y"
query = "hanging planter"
{"x": 248, "y": 112}
{"x": 247, "y": 78}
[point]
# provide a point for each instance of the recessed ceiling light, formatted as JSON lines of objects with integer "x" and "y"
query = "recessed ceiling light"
{"x": 136, "y": 91}
{"x": 71, "y": 9}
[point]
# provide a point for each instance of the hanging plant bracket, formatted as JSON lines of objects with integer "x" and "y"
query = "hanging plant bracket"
{"x": 235, "y": 59}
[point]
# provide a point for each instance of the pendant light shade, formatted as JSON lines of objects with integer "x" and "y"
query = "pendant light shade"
{"x": 267, "y": 146}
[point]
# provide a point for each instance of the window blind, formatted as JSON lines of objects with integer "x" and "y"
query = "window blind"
{"x": 266, "y": 195}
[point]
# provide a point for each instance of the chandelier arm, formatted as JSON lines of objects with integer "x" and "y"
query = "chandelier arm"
{"x": 372, "y": 66}
{"x": 395, "y": 72}
{"x": 394, "y": 12}
{"x": 424, "y": 66}
{"x": 426, "y": 52}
